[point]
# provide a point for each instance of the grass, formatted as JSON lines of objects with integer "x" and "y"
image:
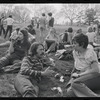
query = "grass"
{"x": 7, "y": 80}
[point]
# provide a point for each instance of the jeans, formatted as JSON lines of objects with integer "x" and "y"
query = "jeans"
{"x": 9, "y": 29}
{"x": 84, "y": 86}
{"x": 50, "y": 45}
{"x": 9, "y": 59}
{"x": 2, "y": 29}
{"x": 26, "y": 86}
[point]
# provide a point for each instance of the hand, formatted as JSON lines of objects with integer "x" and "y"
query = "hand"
{"x": 75, "y": 75}
{"x": 48, "y": 72}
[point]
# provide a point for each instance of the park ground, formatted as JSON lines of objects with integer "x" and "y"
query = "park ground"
{"x": 7, "y": 79}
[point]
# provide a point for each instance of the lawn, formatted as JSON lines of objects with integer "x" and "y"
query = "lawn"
{"x": 7, "y": 79}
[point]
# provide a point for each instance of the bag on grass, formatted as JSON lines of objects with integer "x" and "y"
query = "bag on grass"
{"x": 66, "y": 55}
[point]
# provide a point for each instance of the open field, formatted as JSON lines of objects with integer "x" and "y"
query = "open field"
{"x": 7, "y": 79}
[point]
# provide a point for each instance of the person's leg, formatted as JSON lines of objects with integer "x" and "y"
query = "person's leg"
{"x": 6, "y": 31}
{"x": 41, "y": 34}
{"x": 3, "y": 30}
{"x": 52, "y": 46}
{"x": 85, "y": 86}
{"x": 0, "y": 30}
{"x": 44, "y": 33}
{"x": 24, "y": 86}
{"x": 4, "y": 61}
{"x": 48, "y": 44}
{"x": 10, "y": 30}
{"x": 69, "y": 91}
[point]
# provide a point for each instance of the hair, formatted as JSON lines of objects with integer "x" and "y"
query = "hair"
{"x": 79, "y": 30}
{"x": 43, "y": 14}
{"x": 17, "y": 29}
{"x": 50, "y": 14}
{"x": 30, "y": 26}
{"x": 90, "y": 29}
{"x": 81, "y": 39}
{"x": 33, "y": 48}
{"x": 25, "y": 34}
{"x": 10, "y": 16}
{"x": 54, "y": 32}
{"x": 70, "y": 29}
{"x": 53, "y": 29}
{"x": 66, "y": 30}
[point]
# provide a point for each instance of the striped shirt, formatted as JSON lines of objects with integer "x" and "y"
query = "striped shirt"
{"x": 32, "y": 66}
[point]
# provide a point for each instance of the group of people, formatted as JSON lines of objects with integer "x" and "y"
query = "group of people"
{"x": 9, "y": 22}
{"x": 36, "y": 64}
{"x": 44, "y": 23}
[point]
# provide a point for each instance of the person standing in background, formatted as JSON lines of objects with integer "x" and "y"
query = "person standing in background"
{"x": 42, "y": 27}
{"x": 9, "y": 22}
{"x": 32, "y": 22}
{"x": 50, "y": 20}
{"x": 1, "y": 25}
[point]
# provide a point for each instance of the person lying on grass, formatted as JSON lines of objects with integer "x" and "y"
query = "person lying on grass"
{"x": 18, "y": 48}
{"x": 33, "y": 69}
{"x": 85, "y": 77}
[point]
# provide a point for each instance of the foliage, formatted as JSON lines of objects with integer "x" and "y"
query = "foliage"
{"x": 20, "y": 13}
{"x": 73, "y": 11}
{"x": 38, "y": 9}
{"x": 90, "y": 15}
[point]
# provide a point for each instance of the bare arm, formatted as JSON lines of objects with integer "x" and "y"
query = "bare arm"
{"x": 5, "y": 44}
{"x": 94, "y": 68}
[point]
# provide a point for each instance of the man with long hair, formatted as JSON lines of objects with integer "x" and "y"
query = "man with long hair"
{"x": 32, "y": 71}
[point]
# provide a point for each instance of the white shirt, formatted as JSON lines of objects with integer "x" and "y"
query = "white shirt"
{"x": 91, "y": 36}
{"x": 9, "y": 21}
{"x": 83, "y": 61}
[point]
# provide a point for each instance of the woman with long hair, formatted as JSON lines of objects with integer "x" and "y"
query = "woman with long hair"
{"x": 51, "y": 41}
{"x": 18, "y": 48}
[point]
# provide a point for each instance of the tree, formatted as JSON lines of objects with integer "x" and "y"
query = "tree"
{"x": 90, "y": 15}
{"x": 73, "y": 11}
{"x": 38, "y": 9}
{"x": 21, "y": 13}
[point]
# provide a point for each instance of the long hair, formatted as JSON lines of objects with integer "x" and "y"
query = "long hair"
{"x": 25, "y": 34}
{"x": 33, "y": 48}
{"x": 90, "y": 29}
{"x": 26, "y": 42}
{"x": 53, "y": 31}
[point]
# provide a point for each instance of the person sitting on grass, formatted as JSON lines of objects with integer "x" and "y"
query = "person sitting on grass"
{"x": 79, "y": 31}
{"x": 31, "y": 30}
{"x": 32, "y": 72}
{"x": 18, "y": 48}
{"x": 85, "y": 77}
{"x": 51, "y": 41}
{"x": 63, "y": 40}
{"x": 70, "y": 35}
{"x": 91, "y": 35}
